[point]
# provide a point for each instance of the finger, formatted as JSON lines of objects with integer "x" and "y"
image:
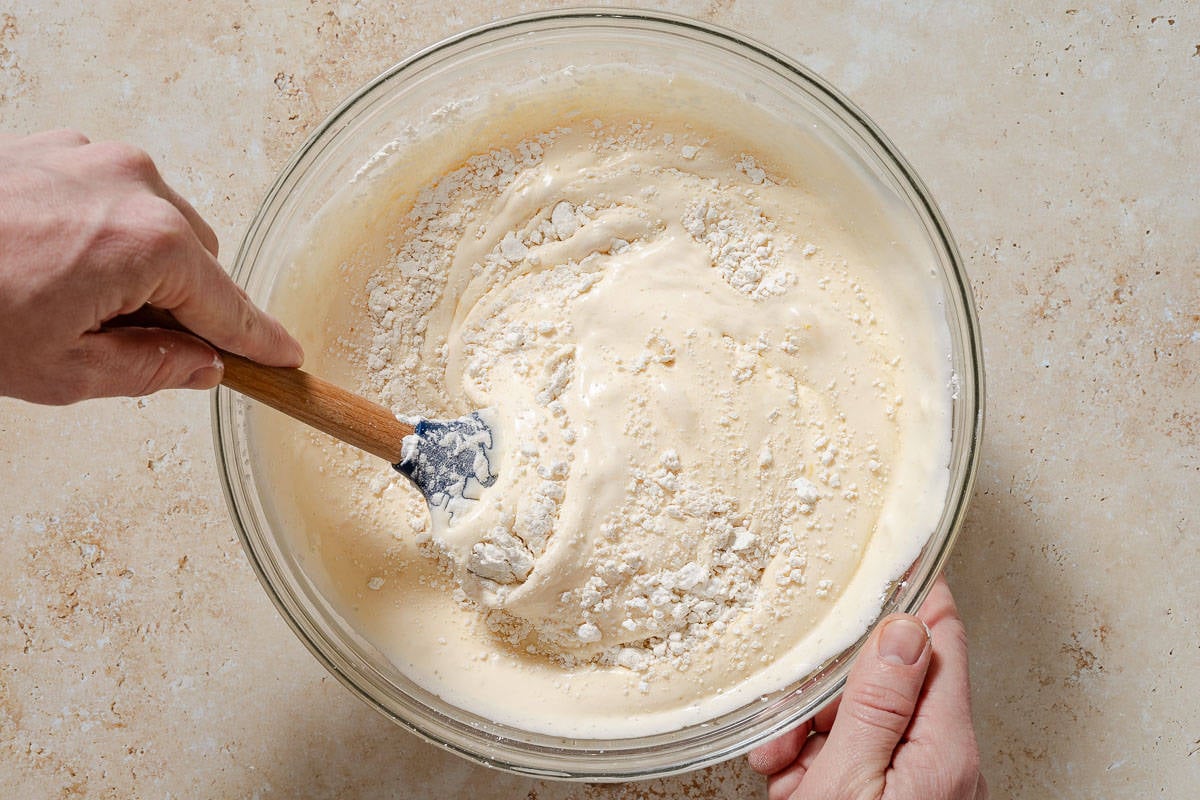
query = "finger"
{"x": 785, "y": 784}
{"x": 131, "y": 362}
{"x": 132, "y": 163}
{"x": 203, "y": 230}
{"x": 198, "y": 292}
{"x": 823, "y": 721}
{"x": 877, "y": 705}
{"x": 220, "y": 311}
{"x": 945, "y": 713}
{"x": 778, "y": 753}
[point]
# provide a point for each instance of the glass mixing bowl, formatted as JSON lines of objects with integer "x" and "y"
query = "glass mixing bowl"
{"x": 508, "y": 53}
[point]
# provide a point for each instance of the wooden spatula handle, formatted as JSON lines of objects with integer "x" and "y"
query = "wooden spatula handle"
{"x": 342, "y": 414}
{"x": 316, "y": 402}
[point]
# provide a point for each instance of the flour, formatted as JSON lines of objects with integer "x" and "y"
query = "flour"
{"x": 440, "y": 215}
{"x": 723, "y": 423}
{"x": 649, "y": 614}
{"x": 743, "y": 253}
{"x": 689, "y": 469}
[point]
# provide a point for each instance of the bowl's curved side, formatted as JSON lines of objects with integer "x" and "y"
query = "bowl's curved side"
{"x": 257, "y": 267}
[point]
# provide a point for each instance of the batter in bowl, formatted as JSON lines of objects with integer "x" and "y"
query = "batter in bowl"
{"x": 724, "y": 405}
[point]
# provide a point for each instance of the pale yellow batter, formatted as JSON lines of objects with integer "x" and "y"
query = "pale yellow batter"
{"x": 723, "y": 380}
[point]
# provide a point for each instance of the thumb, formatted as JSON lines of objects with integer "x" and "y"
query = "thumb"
{"x": 130, "y": 362}
{"x": 876, "y": 708}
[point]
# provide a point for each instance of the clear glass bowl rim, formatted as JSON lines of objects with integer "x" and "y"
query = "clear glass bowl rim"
{"x": 664, "y": 754}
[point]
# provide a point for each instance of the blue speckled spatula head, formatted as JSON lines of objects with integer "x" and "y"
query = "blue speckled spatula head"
{"x": 451, "y": 461}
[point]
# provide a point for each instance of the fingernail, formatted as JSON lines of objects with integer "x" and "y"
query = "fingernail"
{"x": 207, "y": 377}
{"x": 902, "y": 641}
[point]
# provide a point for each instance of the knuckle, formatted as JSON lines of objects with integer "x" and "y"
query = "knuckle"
{"x": 249, "y": 331}
{"x": 125, "y": 158}
{"x": 155, "y": 228}
{"x": 880, "y": 706}
{"x": 158, "y": 217}
{"x": 158, "y": 377}
{"x": 67, "y": 136}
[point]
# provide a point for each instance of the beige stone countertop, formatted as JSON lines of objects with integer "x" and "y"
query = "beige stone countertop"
{"x": 139, "y": 657}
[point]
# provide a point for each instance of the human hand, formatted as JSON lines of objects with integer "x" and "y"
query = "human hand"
{"x": 901, "y": 729}
{"x": 89, "y": 232}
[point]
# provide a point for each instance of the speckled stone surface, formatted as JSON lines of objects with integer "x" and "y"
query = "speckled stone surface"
{"x": 140, "y": 658}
